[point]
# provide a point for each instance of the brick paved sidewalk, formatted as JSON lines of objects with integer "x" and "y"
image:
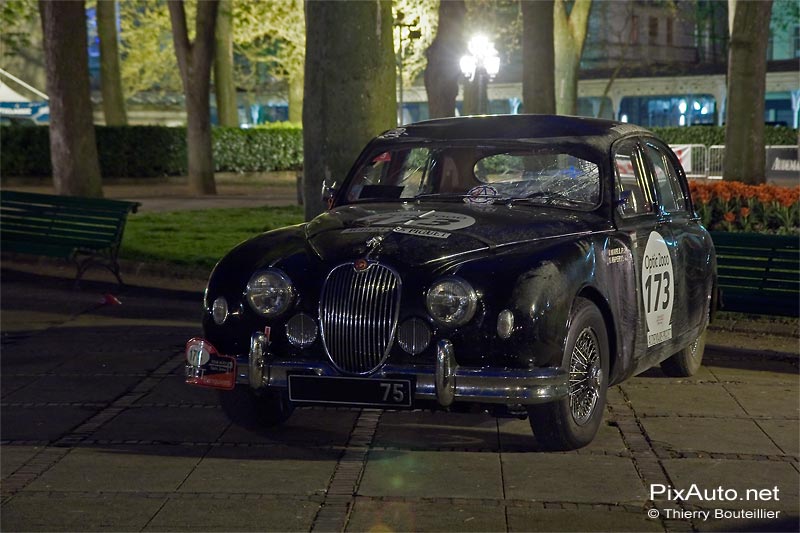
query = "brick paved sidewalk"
{"x": 99, "y": 433}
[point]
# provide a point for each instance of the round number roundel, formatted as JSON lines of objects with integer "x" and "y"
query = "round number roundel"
{"x": 658, "y": 289}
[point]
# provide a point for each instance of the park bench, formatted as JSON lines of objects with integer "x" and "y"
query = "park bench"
{"x": 87, "y": 231}
{"x": 758, "y": 273}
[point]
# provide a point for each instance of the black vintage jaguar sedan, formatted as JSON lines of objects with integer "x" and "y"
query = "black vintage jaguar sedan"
{"x": 519, "y": 263}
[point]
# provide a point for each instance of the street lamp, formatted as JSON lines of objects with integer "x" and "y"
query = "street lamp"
{"x": 479, "y": 66}
{"x": 406, "y": 33}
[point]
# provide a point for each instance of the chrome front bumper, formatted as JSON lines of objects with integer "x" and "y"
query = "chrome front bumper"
{"x": 445, "y": 383}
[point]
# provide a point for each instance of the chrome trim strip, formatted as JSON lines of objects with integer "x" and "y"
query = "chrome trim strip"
{"x": 482, "y": 385}
{"x": 446, "y": 368}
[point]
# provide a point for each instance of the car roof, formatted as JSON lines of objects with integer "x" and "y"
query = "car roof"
{"x": 516, "y": 127}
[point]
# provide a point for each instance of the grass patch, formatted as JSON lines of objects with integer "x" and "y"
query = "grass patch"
{"x": 199, "y": 238}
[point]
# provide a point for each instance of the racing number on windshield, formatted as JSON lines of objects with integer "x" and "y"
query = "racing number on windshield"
{"x": 393, "y": 392}
{"x": 660, "y": 281}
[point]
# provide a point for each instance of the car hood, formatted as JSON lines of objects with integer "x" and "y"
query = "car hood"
{"x": 427, "y": 233}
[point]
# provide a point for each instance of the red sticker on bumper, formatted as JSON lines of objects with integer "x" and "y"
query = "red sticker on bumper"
{"x": 206, "y": 367}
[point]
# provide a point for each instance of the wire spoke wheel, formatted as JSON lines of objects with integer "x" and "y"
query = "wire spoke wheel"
{"x": 573, "y": 420}
{"x": 585, "y": 376}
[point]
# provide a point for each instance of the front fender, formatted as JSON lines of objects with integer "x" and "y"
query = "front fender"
{"x": 543, "y": 298}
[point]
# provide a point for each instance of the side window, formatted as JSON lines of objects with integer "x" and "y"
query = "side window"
{"x": 633, "y": 193}
{"x": 392, "y": 174}
{"x": 667, "y": 181}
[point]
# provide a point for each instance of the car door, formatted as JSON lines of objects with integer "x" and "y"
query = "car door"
{"x": 687, "y": 239}
{"x": 647, "y": 320}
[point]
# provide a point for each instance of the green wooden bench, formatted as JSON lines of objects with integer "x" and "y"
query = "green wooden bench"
{"x": 85, "y": 230}
{"x": 758, "y": 273}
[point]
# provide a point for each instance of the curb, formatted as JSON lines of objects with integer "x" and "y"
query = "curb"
{"x": 128, "y": 268}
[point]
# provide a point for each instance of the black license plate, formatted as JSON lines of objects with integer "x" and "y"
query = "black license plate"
{"x": 351, "y": 391}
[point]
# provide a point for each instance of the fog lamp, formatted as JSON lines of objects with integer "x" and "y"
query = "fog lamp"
{"x": 505, "y": 323}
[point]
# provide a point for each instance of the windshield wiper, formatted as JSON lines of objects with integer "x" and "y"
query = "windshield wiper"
{"x": 548, "y": 198}
{"x": 446, "y": 197}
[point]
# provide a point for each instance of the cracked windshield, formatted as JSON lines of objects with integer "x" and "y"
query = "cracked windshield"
{"x": 479, "y": 174}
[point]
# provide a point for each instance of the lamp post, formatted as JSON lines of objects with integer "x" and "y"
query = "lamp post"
{"x": 479, "y": 65}
{"x": 406, "y": 33}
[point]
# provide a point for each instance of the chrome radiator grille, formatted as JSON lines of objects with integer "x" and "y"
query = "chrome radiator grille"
{"x": 358, "y": 313}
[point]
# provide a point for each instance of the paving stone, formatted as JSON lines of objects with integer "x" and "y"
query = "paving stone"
{"x": 783, "y": 522}
{"x": 703, "y": 374}
{"x": 427, "y": 474}
{"x": 775, "y": 400}
{"x": 426, "y": 430}
{"x": 687, "y": 399}
{"x": 570, "y": 477}
{"x": 174, "y": 390}
{"x": 41, "y": 423}
{"x": 39, "y": 512}
{"x": 263, "y": 470}
{"x": 28, "y": 358}
{"x": 523, "y": 519}
{"x": 209, "y": 514}
{"x": 13, "y": 457}
{"x": 120, "y": 469}
{"x": 761, "y": 372}
{"x": 123, "y": 362}
{"x": 9, "y": 383}
{"x": 739, "y": 475}
{"x": 709, "y": 435}
{"x": 74, "y": 389}
{"x": 375, "y": 515}
{"x": 516, "y": 435}
{"x": 785, "y": 433}
{"x": 320, "y": 427}
{"x": 166, "y": 424}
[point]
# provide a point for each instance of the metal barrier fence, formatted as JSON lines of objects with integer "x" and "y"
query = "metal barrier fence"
{"x": 705, "y": 162}
{"x": 716, "y": 155}
{"x": 693, "y": 158}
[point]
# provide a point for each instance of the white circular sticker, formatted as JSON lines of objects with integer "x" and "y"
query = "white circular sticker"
{"x": 658, "y": 289}
{"x": 197, "y": 355}
{"x": 441, "y": 220}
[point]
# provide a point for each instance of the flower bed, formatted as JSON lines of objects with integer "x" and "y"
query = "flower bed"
{"x": 735, "y": 206}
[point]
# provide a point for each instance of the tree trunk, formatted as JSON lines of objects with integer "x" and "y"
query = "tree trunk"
{"x": 194, "y": 60}
{"x": 570, "y": 36}
{"x": 442, "y": 72}
{"x": 745, "y": 156}
{"x": 224, "y": 87}
{"x": 350, "y": 84}
{"x": 296, "y": 98}
{"x": 73, "y": 149}
{"x": 110, "y": 78}
{"x": 538, "y": 57}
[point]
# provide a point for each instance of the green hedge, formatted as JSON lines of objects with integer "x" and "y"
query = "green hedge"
{"x": 711, "y": 135}
{"x": 152, "y": 151}
{"x": 277, "y": 146}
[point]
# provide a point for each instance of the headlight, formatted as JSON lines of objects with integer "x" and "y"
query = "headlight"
{"x": 270, "y": 292}
{"x": 452, "y": 301}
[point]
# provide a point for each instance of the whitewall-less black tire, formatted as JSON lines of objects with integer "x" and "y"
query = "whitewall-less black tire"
{"x": 573, "y": 421}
